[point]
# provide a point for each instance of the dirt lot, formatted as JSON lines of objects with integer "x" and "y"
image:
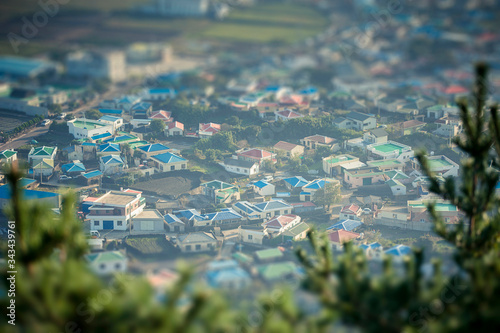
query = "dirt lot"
{"x": 9, "y": 121}
{"x": 171, "y": 184}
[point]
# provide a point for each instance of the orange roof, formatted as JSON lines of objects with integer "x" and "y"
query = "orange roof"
{"x": 452, "y": 90}
{"x": 320, "y": 139}
{"x": 289, "y": 114}
{"x": 350, "y": 208}
{"x": 280, "y": 221}
{"x": 162, "y": 114}
{"x": 176, "y": 124}
{"x": 255, "y": 153}
{"x": 209, "y": 127}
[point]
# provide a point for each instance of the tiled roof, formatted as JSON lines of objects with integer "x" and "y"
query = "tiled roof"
{"x": 111, "y": 159}
{"x": 42, "y": 151}
{"x": 255, "y": 153}
{"x": 398, "y": 250}
{"x": 153, "y": 147}
{"x": 90, "y": 174}
{"x": 358, "y": 116}
{"x": 352, "y": 208}
{"x": 280, "y": 221}
{"x": 175, "y": 124}
{"x": 289, "y": 114}
{"x": 285, "y": 145}
{"x": 168, "y": 158}
{"x": 342, "y": 236}
{"x": 109, "y": 147}
{"x": 296, "y": 181}
{"x": 225, "y": 214}
{"x": 261, "y": 184}
{"x": 73, "y": 167}
{"x": 7, "y": 153}
{"x": 320, "y": 139}
{"x": 197, "y": 237}
{"x": 209, "y": 127}
{"x": 316, "y": 184}
{"x": 348, "y": 225}
{"x": 161, "y": 114}
{"x": 171, "y": 218}
{"x": 272, "y": 205}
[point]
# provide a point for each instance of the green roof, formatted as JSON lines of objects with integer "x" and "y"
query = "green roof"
{"x": 42, "y": 151}
{"x": 217, "y": 184}
{"x": 337, "y": 159}
{"x": 7, "y": 154}
{"x": 241, "y": 257}
{"x": 269, "y": 254}
{"x": 103, "y": 257}
{"x": 367, "y": 174}
{"x": 438, "y": 163}
{"x": 387, "y": 162}
{"x": 298, "y": 229}
{"x": 393, "y": 174}
{"x": 277, "y": 270}
{"x": 393, "y": 182}
{"x": 389, "y": 147}
{"x": 88, "y": 124}
{"x": 440, "y": 206}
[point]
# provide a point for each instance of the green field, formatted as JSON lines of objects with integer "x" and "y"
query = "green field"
{"x": 84, "y": 22}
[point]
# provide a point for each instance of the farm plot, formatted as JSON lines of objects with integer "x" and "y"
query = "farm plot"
{"x": 171, "y": 184}
{"x": 9, "y": 121}
{"x": 153, "y": 245}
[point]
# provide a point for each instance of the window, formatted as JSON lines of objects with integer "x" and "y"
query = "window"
{"x": 198, "y": 247}
{"x": 118, "y": 265}
{"x": 172, "y": 168}
{"x": 286, "y": 212}
{"x": 250, "y": 237}
{"x": 102, "y": 266}
{"x": 119, "y": 223}
{"x": 96, "y": 223}
{"x": 183, "y": 166}
{"x": 188, "y": 248}
{"x": 237, "y": 169}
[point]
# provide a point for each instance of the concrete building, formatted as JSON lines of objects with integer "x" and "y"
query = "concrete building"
{"x": 97, "y": 65}
{"x": 169, "y": 162}
{"x": 111, "y": 164}
{"x": 241, "y": 167}
{"x": 85, "y": 128}
{"x": 197, "y": 242}
{"x": 149, "y": 220}
{"x": 114, "y": 210}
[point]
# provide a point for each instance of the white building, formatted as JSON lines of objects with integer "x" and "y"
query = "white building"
{"x": 85, "y": 128}
{"x": 97, "y": 65}
{"x": 113, "y": 210}
{"x": 240, "y": 167}
{"x": 107, "y": 262}
{"x": 183, "y": 7}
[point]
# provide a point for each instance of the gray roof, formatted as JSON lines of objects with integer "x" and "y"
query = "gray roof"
{"x": 358, "y": 116}
{"x": 238, "y": 163}
{"x": 378, "y": 132}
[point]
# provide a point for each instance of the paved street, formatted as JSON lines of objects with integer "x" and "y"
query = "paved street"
{"x": 25, "y": 138}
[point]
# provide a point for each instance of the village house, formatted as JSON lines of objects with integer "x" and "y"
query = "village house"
{"x": 250, "y": 235}
{"x": 39, "y": 153}
{"x": 174, "y": 128}
{"x": 8, "y": 156}
{"x": 43, "y": 167}
{"x": 224, "y": 217}
{"x": 262, "y": 210}
{"x": 255, "y": 155}
{"x": 339, "y": 237}
{"x": 285, "y": 115}
{"x": 448, "y": 126}
{"x": 264, "y": 188}
{"x": 278, "y": 224}
{"x": 363, "y": 177}
{"x": 221, "y": 192}
{"x": 152, "y": 149}
{"x": 111, "y": 164}
{"x": 108, "y": 149}
{"x": 107, "y": 262}
{"x": 387, "y": 165}
{"x": 197, "y": 242}
{"x": 227, "y": 274}
{"x": 115, "y": 122}
{"x": 115, "y": 209}
{"x": 440, "y": 165}
{"x": 208, "y": 129}
{"x": 356, "y": 121}
{"x": 390, "y": 150}
{"x": 377, "y": 135}
{"x": 241, "y": 167}
{"x": 409, "y": 127}
{"x": 333, "y": 165}
{"x": 167, "y": 162}
{"x": 149, "y": 220}
{"x": 350, "y": 212}
{"x": 174, "y": 224}
{"x": 315, "y": 141}
{"x": 165, "y": 116}
{"x": 288, "y": 149}
{"x": 86, "y": 128}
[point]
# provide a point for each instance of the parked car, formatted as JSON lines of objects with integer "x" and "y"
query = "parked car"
{"x": 62, "y": 115}
{"x": 64, "y": 177}
{"x": 367, "y": 211}
{"x": 45, "y": 122}
{"x": 33, "y": 142}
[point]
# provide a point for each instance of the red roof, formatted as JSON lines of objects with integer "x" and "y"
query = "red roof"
{"x": 452, "y": 90}
{"x": 352, "y": 208}
{"x": 255, "y": 153}
{"x": 209, "y": 127}
{"x": 280, "y": 221}
{"x": 176, "y": 124}
{"x": 342, "y": 236}
{"x": 412, "y": 123}
{"x": 289, "y": 114}
{"x": 291, "y": 99}
{"x": 162, "y": 114}
{"x": 131, "y": 191}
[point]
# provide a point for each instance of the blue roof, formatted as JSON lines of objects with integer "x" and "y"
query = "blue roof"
{"x": 316, "y": 184}
{"x": 23, "y": 66}
{"x": 244, "y": 206}
{"x": 261, "y": 184}
{"x": 5, "y": 193}
{"x": 120, "y": 138}
{"x": 153, "y": 147}
{"x": 88, "y": 144}
{"x": 101, "y": 136}
{"x": 168, "y": 158}
{"x": 171, "y": 218}
{"x": 217, "y": 278}
{"x": 73, "y": 167}
{"x": 308, "y": 90}
{"x": 162, "y": 91}
{"x": 225, "y": 214}
{"x": 110, "y": 118}
{"x": 296, "y": 181}
{"x": 91, "y": 174}
{"x": 111, "y": 111}
{"x": 109, "y": 147}
{"x": 141, "y": 106}
{"x": 374, "y": 245}
{"x": 111, "y": 159}
{"x": 348, "y": 225}
{"x": 272, "y": 204}
{"x": 23, "y": 182}
{"x": 399, "y": 250}
{"x": 189, "y": 214}
{"x": 272, "y": 88}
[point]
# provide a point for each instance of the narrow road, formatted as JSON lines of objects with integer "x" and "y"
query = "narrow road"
{"x": 25, "y": 138}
